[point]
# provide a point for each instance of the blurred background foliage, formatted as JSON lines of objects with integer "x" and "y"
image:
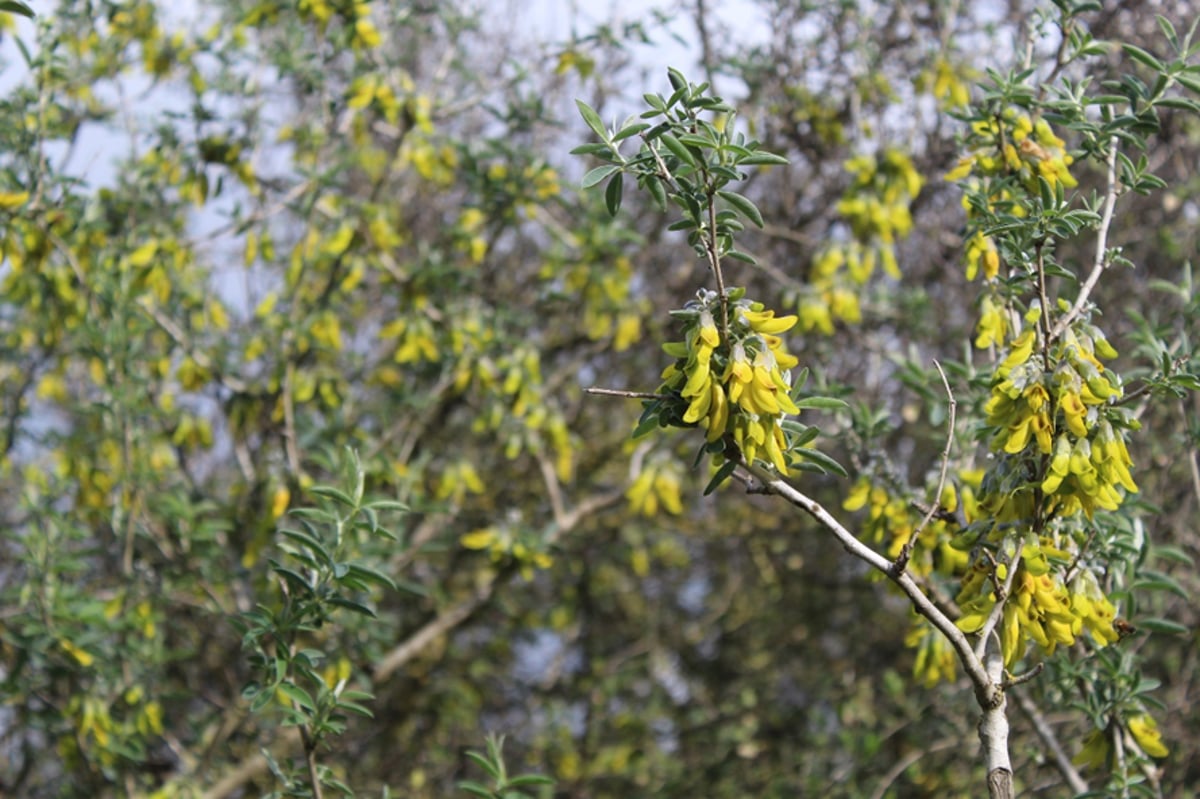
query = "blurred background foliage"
{"x": 240, "y": 236}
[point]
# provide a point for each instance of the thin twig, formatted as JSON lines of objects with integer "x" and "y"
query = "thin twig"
{"x": 1043, "y": 297}
{"x": 714, "y": 262}
{"x": 1046, "y": 735}
{"x": 289, "y": 419}
{"x": 1002, "y": 595}
{"x": 616, "y": 392}
{"x": 987, "y": 691}
{"x": 553, "y": 489}
{"x": 906, "y": 762}
{"x": 1019, "y": 679}
{"x": 906, "y": 551}
{"x": 1101, "y": 260}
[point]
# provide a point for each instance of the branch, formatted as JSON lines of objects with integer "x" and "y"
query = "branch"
{"x": 445, "y": 621}
{"x": 993, "y": 729}
{"x": 904, "y": 763}
{"x": 906, "y": 552}
{"x": 616, "y": 392}
{"x": 1100, "y": 261}
{"x": 1002, "y": 593}
{"x": 987, "y": 689}
{"x": 252, "y": 767}
{"x": 1046, "y": 735}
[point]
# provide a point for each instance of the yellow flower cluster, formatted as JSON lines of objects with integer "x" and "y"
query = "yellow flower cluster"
{"x": 947, "y": 82}
{"x": 525, "y": 549}
{"x": 1041, "y": 609}
{"x": 1012, "y": 146}
{"x": 1098, "y": 749}
{"x": 876, "y": 208}
{"x": 981, "y": 252}
{"x": 736, "y": 384}
{"x": 894, "y": 520}
{"x": 657, "y": 485}
{"x": 1015, "y": 144}
{"x": 1063, "y": 409}
{"x": 935, "y": 660}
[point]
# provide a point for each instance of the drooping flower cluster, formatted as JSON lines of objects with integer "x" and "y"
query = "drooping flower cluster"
{"x": 1015, "y": 144}
{"x": 1060, "y": 404}
{"x": 736, "y": 384}
{"x": 893, "y": 520}
{"x": 1011, "y": 146}
{"x": 1041, "y": 608}
{"x": 876, "y": 207}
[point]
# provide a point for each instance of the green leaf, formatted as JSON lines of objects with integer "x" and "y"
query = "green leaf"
{"x": 308, "y": 541}
{"x": 1189, "y": 82}
{"x": 531, "y": 779}
{"x": 355, "y": 708}
{"x": 1138, "y": 54}
{"x": 297, "y": 695}
{"x": 761, "y": 157}
{"x": 677, "y": 149}
{"x": 658, "y": 191}
{"x": 1173, "y": 553}
{"x": 820, "y": 459}
{"x": 1155, "y": 581}
{"x": 613, "y": 193}
{"x": 696, "y": 140}
{"x": 727, "y": 469}
{"x": 743, "y": 205}
{"x": 1168, "y": 30}
{"x": 336, "y": 494}
{"x": 371, "y": 575}
{"x": 295, "y": 579}
{"x": 593, "y": 148}
{"x": 592, "y": 119}
{"x": 822, "y": 403}
{"x": 799, "y": 434}
{"x": 630, "y": 130}
{"x": 678, "y": 81}
{"x": 646, "y": 424}
{"x": 485, "y": 764}
{"x": 597, "y": 175}
{"x": 476, "y": 789}
{"x": 352, "y": 606}
{"x": 1162, "y": 626}
{"x": 388, "y": 504}
{"x": 16, "y": 7}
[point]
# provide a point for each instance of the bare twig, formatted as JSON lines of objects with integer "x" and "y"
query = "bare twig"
{"x": 906, "y": 551}
{"x": 615, "y": 392}
{"x": 1020, "y": 679}
{"x": 1002, "y": 594}
{"x": 289, "y": 419}
{"x": 1046, "y": 735}
{"x": 1100, "y": 261}
{"x": 905, "y": 762}
{"x": 438, "y": 626}
{"x": 553, "y": 489}
{"x": 987, "y": 690}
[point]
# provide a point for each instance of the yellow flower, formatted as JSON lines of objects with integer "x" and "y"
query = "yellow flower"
{"x": 993, "y": 325}
{"x": 1095, "y": 752}
{"x": 1074, "y": 413}
{"x": 1060, "y": 465}
{"x": 766, "y": 322}
{"x": 1145, "y": 731}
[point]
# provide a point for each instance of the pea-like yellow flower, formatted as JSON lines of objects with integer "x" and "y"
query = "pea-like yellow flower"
{"x": 767, "y": 322}
{"x": 1144, "y": 729}
{"x": 1096, "y": 750}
